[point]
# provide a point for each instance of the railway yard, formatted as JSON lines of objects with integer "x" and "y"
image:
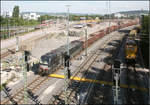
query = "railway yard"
{"x": 92, "y": 70}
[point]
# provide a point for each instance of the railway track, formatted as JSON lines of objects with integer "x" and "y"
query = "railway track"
{"x": 38, "y": 82}
{"x": 134, "y": 96}
{"x": 23, "y": 45}
{"x": 33, "y": 86}
{"x": 76, "y": 86}
{"x": 3, "y": 55}
{"x": 100, "y": 93}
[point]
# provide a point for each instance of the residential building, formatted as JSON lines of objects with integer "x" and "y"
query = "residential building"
{"x": 30, "y": 16}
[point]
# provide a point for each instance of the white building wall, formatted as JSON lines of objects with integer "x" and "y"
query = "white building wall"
{"x": 30, "y": 16}
{"x": 4, "y": 13}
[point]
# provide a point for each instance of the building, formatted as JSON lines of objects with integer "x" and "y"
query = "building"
{"x": 30, "y": 16}
{"x": 6, "y": 13}
{"x": 119, "y": 15}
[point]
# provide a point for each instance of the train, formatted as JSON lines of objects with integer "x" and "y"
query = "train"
{"x": 131, "y": 47}
{"x": 136, "y": 30}
{"x": 55, "y": 59}
{"x": 130, "y": 51}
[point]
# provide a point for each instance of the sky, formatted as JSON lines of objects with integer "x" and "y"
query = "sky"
{"x": 98, "y": 7}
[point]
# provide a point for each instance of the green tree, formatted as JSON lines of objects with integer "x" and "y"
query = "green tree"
{"x": 2, "y": 20}
{"x": 145, "y": 40}
{"x": 16, "y": 12}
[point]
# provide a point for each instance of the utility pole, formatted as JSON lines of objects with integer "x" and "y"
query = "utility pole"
{"x": 7, "y": 15}
{"x": 118, "y": 23}
{"x": 17, "y": 43}
{"x": 28, "y": 24}
{"x": 86, "y": 44}
{"x": 15, "y": 27}
{"x": 109, "y": 14}
{"x": 67, "y": 57}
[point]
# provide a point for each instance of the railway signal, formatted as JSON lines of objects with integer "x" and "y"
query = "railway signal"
{"x": 67, "y": 57}
{"x": 25, "y": 63}
{"x": 116, "y": 80}
{"x": 67, "y": 63}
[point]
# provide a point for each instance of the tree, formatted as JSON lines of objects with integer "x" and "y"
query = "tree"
{"x": 16, "y": 12}
{"x": 145, "y": 40}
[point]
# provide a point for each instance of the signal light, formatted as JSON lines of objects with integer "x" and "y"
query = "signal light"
{"x": 67, "y": 57}
{"x": 117, "y": 64}
{"x": 69, "y": 74}
{"x": 26, "y": 53}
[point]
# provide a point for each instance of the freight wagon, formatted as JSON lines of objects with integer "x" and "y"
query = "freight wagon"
{"x": 55, "y": 59}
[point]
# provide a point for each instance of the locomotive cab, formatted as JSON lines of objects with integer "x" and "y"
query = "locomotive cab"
{"x": 130, "y": 51}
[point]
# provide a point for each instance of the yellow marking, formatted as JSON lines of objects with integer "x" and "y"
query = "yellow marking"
{"x": 99, "y": 82}
{"x": 123, "y": 86}
{"x": 56, "y": 76}
{"x": 133, "y": 87}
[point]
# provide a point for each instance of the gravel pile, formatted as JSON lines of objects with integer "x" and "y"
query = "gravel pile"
{"x": 47, "y": 45}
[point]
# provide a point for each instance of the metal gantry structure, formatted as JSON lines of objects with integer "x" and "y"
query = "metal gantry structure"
{"x": 67, "y": 57}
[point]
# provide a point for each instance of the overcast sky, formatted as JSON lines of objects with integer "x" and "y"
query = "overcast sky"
{"x": 99, "y": 7}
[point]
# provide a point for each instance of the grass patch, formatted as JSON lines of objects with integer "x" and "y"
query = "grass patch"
{"x": 2, "y": 86}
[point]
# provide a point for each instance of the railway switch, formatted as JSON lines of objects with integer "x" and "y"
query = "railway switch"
{"x": 7, "y": 90}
